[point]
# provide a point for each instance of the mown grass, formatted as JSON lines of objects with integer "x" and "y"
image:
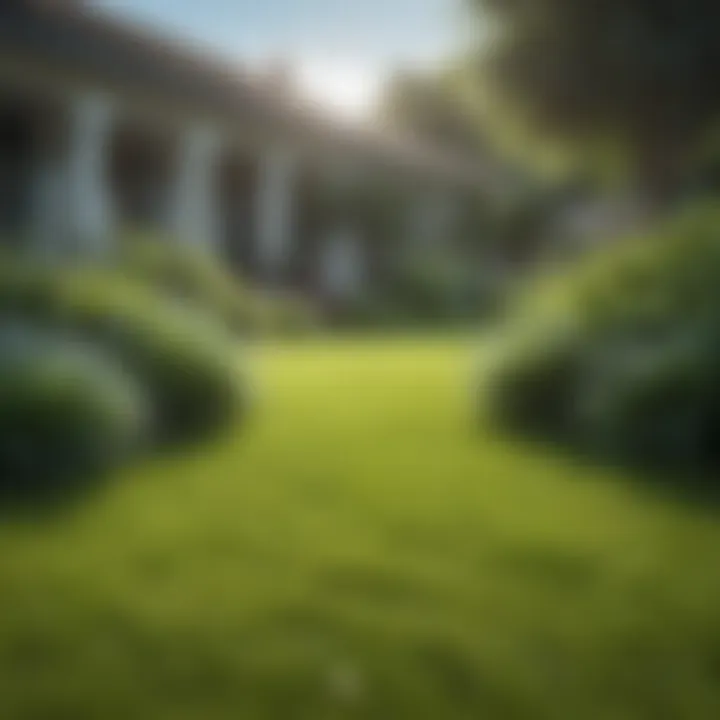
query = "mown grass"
{"x": 363, "y": 550}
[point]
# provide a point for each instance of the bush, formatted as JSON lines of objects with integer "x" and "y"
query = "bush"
{"x": 286, "y": 314}
{"x": 190, "y": 275}
{"x": 622, "y": 356}
{"x": 183, "y": 359}
{"x": 66, "y": 413}
{"x": 372, "y": 311}
{"x": 424, "y": 289}
{"x": 199, "y": 278}
{"x": 531, "y": 387}
{"x": 439, "y": 289}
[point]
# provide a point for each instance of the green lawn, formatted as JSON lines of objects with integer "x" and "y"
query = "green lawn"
{"x": 361, "y": 550}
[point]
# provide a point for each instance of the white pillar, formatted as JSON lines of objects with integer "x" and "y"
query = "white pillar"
{"x": 193, "y": 211}
{"x": 89, "y": 216}
{"x": 47, "y": 207}
{"x": 274, "y": 210}
{"x": 343, "y": 264}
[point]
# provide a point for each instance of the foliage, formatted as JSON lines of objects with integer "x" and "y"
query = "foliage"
{"x": 286, "y": 314}
{"x": 192, "y": 275}
{"x": 431, "y": 107}
{"x": 66, "y": 413}
{"x": 181, "y": 357}
{"x": 630, "y": 78}
{"x": 424, "y": 289}
{"x": 622, "y": 357}
{"x": 444, "y": 287}
{"x": 184, "y": 360}
{"x": 430, "y": 289}
{"x": 524, "y": 223}
{"x": 200, "y": 279}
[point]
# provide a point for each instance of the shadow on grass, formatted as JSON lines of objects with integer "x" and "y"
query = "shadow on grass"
{"x": 566, "y": 570}
{"x": 47, "y": 491}
{"x": 43, "y": 497}
{"x": 692, "y": 483}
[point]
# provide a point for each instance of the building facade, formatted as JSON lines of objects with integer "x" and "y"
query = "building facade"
{"x": 105, "y": 128}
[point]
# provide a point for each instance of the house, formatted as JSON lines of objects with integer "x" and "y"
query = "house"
{"x": 105, "y": 126}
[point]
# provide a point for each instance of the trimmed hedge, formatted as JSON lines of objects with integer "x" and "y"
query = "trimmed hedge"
{"x": 200, "y": 279}
{"x": 184, "y": 360}
{"x": 67, "y": 412}
{"x": 196, "y": 277}
{"x": 621, "y": 357}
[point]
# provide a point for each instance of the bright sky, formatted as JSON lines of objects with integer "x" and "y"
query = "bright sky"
{"x": 342, "y": 49}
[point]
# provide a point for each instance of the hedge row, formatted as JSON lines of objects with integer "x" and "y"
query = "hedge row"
{"x": 621, "y": 357}
{"x": 91, "y": 358}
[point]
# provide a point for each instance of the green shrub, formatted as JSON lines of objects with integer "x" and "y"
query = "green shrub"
{"x": 66, "y": 413}
{"x": 424, "y": 290}
{"x": 531, "y": 387}
{"x": 286, "y": 314}
{"x": 649, "y": 405}
{"x": 188, "y": 274}
{"x": 372, "y": 311}
{"x": 199, "y": 278}
{"x": 621, "y": 356}
{"x": 183, "y": 358}
{"x": 442, "y": 288}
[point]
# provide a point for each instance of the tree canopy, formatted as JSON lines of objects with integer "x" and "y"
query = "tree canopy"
{"x": 431, "y": 107}
{"x": 636, "y": 75}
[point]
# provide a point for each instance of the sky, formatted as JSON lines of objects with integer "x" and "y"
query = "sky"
{"x": 342, "y": 50}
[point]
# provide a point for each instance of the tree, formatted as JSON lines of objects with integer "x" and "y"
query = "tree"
{"x": 430, "y": 107}
{"x": 636, "y": 77}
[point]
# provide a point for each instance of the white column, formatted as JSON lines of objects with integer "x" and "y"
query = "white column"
{"x": 343, "y": 264}
{"x": 89, "y": 217}
{"x": 193, "y": 211}
{"x": 274, "y": 210}
{"x": 47, "y": 206}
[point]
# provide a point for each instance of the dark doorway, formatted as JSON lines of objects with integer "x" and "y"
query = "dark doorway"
{"x": 140, "y": 175}
{"x": 17, "y": 155}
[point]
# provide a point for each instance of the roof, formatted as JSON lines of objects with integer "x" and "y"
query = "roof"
{"x": 73, "y": 34}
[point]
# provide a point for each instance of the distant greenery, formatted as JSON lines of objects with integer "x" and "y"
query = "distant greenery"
{"x": 429, "y": 289}
{"x": 202, "y": 279}
{"x": 359, "y": 552}
{"x": 191, "y": 275}
{"x": 621, "y": 357}
{"x": 618, "y": 82}
{"x": 430, "y": 106}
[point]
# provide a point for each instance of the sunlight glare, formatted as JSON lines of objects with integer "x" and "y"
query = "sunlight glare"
{"x": 347, "y": 89}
